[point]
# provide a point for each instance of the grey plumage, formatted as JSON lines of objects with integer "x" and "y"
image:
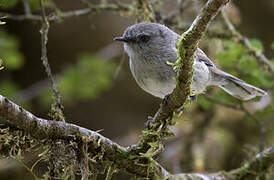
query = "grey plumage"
{"x": 150, "y": 46}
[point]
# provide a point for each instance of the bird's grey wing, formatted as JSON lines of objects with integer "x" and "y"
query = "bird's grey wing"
{"x": 199, "y": 55}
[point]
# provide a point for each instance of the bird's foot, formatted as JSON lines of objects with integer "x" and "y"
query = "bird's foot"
{"x": 165, "y": 100}
{"x": 148, "y": 122}
{"x": 193, "y": 98}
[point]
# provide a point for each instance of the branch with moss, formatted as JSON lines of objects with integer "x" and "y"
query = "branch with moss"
{"x": 48, "y": 129}
{"x": 254, "y": 168}
{"x": 40, "y": 128}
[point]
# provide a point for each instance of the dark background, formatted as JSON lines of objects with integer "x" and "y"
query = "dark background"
{"x": 125, "y": 106}
{"x": 121, "y": 111}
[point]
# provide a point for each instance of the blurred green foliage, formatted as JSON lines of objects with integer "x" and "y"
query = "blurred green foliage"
{"x": 1, "y": 64}
{"x": 34, "y": 4}
{"x": 82, "y": 81}
{"x": 8, "y": 88}
{"x": 204, "y": 103}
{"x": 11, "y": 59}
{"x": 85, "y": 80}
{"x": 9, "y": 52}
{"x": 6, "y": 4}
{"x": 236, "y": 60}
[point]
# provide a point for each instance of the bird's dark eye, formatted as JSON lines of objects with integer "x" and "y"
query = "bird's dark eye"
{"x": 144, "y": 38}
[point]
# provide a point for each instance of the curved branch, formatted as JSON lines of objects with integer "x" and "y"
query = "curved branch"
{"x": 48, "y": 129}
{"x": 42, "y": 128}
{"x": 255, "y": 167}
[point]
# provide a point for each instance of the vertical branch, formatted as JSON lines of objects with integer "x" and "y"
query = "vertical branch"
{"x": 56, "y": 109}
{"x": 27, "y": 8}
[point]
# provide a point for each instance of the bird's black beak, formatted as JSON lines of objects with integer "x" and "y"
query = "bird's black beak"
{"x": 123, "y": 39}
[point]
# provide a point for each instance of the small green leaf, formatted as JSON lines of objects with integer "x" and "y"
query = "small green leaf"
{"x": 1, "y": 64}
{"x": 9, "y": 51}
{"x": 34, "y": 4}
{"x": 230, "y": 56}
{"x": 2, "y": 22}
{"x": 8, "y": 88}
{"x": 256, "y": 44}
{"x": 170, "y": 63}
{"x": 85, "y": 80}
{"x": 247, "y": 64}
{"x": 19, "y": 154}
{"x": 14, "y": 61}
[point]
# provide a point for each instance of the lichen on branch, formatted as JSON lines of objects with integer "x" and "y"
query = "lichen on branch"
{"x": 107, "y": 151}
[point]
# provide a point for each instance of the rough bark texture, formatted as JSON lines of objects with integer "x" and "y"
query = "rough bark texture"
{"x": 47, "y": 129}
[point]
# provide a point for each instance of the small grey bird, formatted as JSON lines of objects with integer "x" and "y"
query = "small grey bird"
{"x": 150, "y": 46}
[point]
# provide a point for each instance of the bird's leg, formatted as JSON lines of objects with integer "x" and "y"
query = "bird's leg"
{"x": 165, "y": 99}
{"x": 149, "y": 120}
{"x": 193, "y": 98}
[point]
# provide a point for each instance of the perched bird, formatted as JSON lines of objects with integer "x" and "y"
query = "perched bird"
{"x": 150, "y": 46}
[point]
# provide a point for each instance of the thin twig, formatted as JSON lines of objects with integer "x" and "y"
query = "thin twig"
{"x": 241, "y": 107}
{"x": 56, "y": 106}
{"x": 69, "y": 14}
{"x": 26, "y": 167}
{"x": 259, "y": 124}
{"x": 255, "y": 167}
{"x": 107, "y": 53}
{"x": 236, "y": 107}
{"x": 27, "y": 8}
{"x": 119, "y": 67}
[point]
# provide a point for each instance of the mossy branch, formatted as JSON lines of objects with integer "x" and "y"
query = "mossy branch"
{"x": 48, "y": 129}
{"x": 255, "y": 167}
{"x": 119, "y": 156}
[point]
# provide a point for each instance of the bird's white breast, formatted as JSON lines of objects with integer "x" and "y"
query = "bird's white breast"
{"x": 201, "y": 77}
{"x": 158, "y": 79}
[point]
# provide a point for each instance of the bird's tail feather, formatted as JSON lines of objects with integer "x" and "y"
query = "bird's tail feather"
{"x": 237, "y": 87}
